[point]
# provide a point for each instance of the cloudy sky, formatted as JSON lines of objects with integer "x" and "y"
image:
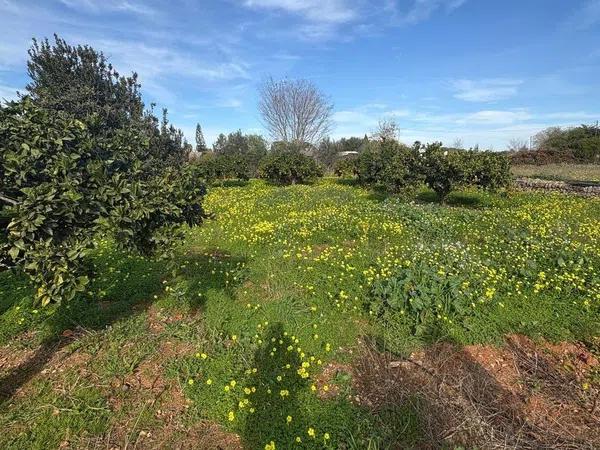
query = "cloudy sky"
{"x": 484, "y": 71}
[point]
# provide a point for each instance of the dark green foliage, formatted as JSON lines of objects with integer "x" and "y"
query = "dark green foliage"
{"x": 492, "y": 170}
{"x": 213, "y": 167}
{"x": 327, "y": 153}
{"x": 68, "y": 186}
{"x": 445, "y": 169}
{"x": 346, "y": 166}
{"x": 79, "y": 81}
{"x": 392, "y": 166}
{"x": 237, "y": 156}
{"x": 389, "y": 165}
{"x": 79, "y": 159}
{"x": 200, "y": 142}
{"x": 289, "y": 166}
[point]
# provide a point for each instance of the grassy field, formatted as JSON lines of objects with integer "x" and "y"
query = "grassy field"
{"x": 250, "y": 337}
{"x": 561, "y": 172}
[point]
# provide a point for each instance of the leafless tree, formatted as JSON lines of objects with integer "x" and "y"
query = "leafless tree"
{"x": 516, "y": 145}
{"x": 295, "y": 111}
{"x": 387, "y": 130}
{"x": 458, "y": 143}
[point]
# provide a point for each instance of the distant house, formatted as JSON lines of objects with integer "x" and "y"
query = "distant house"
{"x": 349, "y": 153}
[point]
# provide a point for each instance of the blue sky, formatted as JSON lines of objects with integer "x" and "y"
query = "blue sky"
{"x": 484, "y": 71}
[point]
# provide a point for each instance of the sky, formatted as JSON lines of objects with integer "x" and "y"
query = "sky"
{"x": 482, "y": 71}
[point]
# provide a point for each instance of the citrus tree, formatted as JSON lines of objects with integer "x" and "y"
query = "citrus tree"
{"x": 82, "y": 161}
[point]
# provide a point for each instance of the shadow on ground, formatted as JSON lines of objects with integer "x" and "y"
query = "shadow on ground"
{"x": 482, "y": 397}
{"x": 123, "y": 287}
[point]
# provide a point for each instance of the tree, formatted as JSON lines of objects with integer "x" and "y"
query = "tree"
{"x": 285, "y": 164}
{"x": 387, "y": 130}
{"x": 79, "y": 81}
{"x": 200, "y": 143}
{"x": 72, "y": 170}
{"x": 390, "y": 165}
{"x": 295, "y": 111}
{"x": 458, "y": 143}
{"x": 327, "y": 153}
{"x": 517, "y": 145}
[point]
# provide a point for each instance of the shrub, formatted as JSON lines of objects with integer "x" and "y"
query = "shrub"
{"x": 289, "y": 166}
{"x": 62, "y": 185}
{"x": 389, "y": 165}
{"x": 558, "y": 145}
{"x": 492, "y": 170}
{"x": 446, "y": 169}
{"x": 346, "y": 166}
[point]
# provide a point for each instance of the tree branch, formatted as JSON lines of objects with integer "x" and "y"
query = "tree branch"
{"x": 8, "y": 200}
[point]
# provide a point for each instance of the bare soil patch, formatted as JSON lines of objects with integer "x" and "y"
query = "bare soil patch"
{"x": 523, "y": 395}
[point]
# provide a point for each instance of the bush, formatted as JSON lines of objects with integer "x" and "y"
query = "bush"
{"x": 289, "y": 166}
{"x": 557, "y": 145}
{"x": 446, "y": 169}
{"x": 389, "y": 165}
{"x": 62, "y": 185}
{"x": 492, "y": 171}
{"x": 346, "y": 166}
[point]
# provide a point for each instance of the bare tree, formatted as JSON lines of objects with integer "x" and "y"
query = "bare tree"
{"x": 458, "y": 143}
{"x": 295, "y": 111}
{"x": 387, "y": 130}
{"x": 516, "y": 145}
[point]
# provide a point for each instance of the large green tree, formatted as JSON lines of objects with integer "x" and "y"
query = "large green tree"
{"x": 80, "y": 157}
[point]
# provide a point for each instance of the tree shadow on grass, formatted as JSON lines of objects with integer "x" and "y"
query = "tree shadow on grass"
{"x": 464, "y": 199}
{"x": 347, "y": 181}
{"x": 288, "y": 411}
{"x": 211, "y": 270}
{"x": 275, "y": 400}
{"x": 124, "y": 286}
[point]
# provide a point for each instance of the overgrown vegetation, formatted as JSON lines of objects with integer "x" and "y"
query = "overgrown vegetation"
{"x": 557, "y": 145}
{"x": 294, "y": 275}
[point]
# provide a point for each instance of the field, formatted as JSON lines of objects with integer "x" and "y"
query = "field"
{"x": 559, "y": 172}
{"x": 278, "y": 323}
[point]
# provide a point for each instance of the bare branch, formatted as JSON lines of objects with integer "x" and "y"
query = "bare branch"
{"x": 8, "y": 200}
{"x": 295, "y": 111}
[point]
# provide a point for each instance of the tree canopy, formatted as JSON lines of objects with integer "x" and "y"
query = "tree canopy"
{"x": 81, "y": 158}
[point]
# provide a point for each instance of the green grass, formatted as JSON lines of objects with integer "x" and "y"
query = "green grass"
{"x": 282, "y": 282}
{"x": 561, "y": 172}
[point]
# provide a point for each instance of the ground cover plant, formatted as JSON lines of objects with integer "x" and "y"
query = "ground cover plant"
{"x": 255, "y": 336}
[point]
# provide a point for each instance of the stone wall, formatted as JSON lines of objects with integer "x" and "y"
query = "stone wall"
{"x": 579, "y": 188}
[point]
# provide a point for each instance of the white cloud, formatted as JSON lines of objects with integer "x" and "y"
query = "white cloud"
{"x": 496, "y": 117}
{"x": 318, "y": 11}
{"x": 156, "y": 65}
{"x": 7, "y": 93}
{"x": 485, "y": 90}
{"x": 422, "y": 10}
{"x": 97, "y": 6}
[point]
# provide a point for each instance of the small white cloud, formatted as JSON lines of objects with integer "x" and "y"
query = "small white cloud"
{"x": 318, "y": 11}
{"x": 485, "y": 90}
{"x": 8, "y": 93}
{"x": 496, "y": 117}
{"x": 422, "y": 10}
{"x": 97, "y": 6}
